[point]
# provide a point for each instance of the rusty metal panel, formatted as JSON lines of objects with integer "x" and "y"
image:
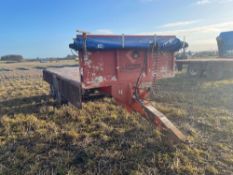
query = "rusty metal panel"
{"x": 48, "y": 76}
{"x": 120, "y": 69}
{"x": 165, "y": 67}
{"x": 71, "y": 91}
{"x": 66, "y": 81}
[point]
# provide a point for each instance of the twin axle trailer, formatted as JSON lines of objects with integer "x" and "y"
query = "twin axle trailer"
{"x": 123, "y": 67}
{"x": 212, "y": 68}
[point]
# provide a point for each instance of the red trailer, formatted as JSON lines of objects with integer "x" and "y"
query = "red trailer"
{"x": 124, "y": 67}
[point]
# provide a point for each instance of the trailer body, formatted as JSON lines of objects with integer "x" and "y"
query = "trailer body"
{"x": 120, "y": 66}
{"x": 112, "y": 67}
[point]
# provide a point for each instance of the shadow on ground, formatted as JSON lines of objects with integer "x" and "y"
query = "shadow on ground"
{"x": 55, "y": 66}
{"x": 4, "y": 70}
{"x": 26, "y": 105}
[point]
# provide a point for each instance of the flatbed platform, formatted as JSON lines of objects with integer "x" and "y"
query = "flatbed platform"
{"x": 195, "y": 60}
{"x": 212, "y": 68}
{"x": 69, "y": 73}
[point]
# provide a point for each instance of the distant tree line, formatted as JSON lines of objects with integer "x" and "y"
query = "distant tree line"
{"x": 19, "y": 58}
{"x": 12, "y": 57}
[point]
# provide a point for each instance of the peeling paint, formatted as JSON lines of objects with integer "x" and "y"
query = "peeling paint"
{"x": 99, "y": 79}
{"x": 88, "y": 63}
{"x": 164, "y": 69}
{"x": 114, "y": 78}
{"x": 81, "y": 71}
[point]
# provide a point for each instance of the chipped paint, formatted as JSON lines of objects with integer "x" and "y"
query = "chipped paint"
{"x": 98, "y": 79}
{"x": 114, "y": 78}
{"x": 164, "y": 69}
{"x": 81, "y": 71}
{"x": 88, "y": 62}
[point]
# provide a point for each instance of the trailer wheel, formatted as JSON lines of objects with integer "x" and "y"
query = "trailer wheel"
{"x": 194, "y": 70}
{"x": 215, "y": 71}
{"x": 60, "y": 99}
{"x": 179, "y": 66}
{"x": 52, "y": 92}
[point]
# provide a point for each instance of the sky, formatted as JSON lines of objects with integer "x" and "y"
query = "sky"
{"x": 44, "y": 28}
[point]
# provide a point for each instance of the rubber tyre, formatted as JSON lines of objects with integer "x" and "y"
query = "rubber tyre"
{"x": 193, "y": 70}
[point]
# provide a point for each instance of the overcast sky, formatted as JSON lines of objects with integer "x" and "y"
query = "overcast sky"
{"x": 44, "y": 28}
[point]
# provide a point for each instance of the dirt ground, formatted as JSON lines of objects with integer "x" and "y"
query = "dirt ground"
{"x": 38, "y": 136}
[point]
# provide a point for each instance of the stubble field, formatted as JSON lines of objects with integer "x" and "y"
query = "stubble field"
{"x": 38, "y": 136}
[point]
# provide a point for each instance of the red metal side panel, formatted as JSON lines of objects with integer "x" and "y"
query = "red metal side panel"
{"x": 165, "y": 67}
{"x": 109, "y": 67}
{"x": 120, "y": 69}
{"x": 129, "y": 67}
{"x": 99, "y": 69}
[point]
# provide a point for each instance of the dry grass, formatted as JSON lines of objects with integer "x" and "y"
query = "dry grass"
{"x": 203, "y": 110}
{"x": 37, "y": 136}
